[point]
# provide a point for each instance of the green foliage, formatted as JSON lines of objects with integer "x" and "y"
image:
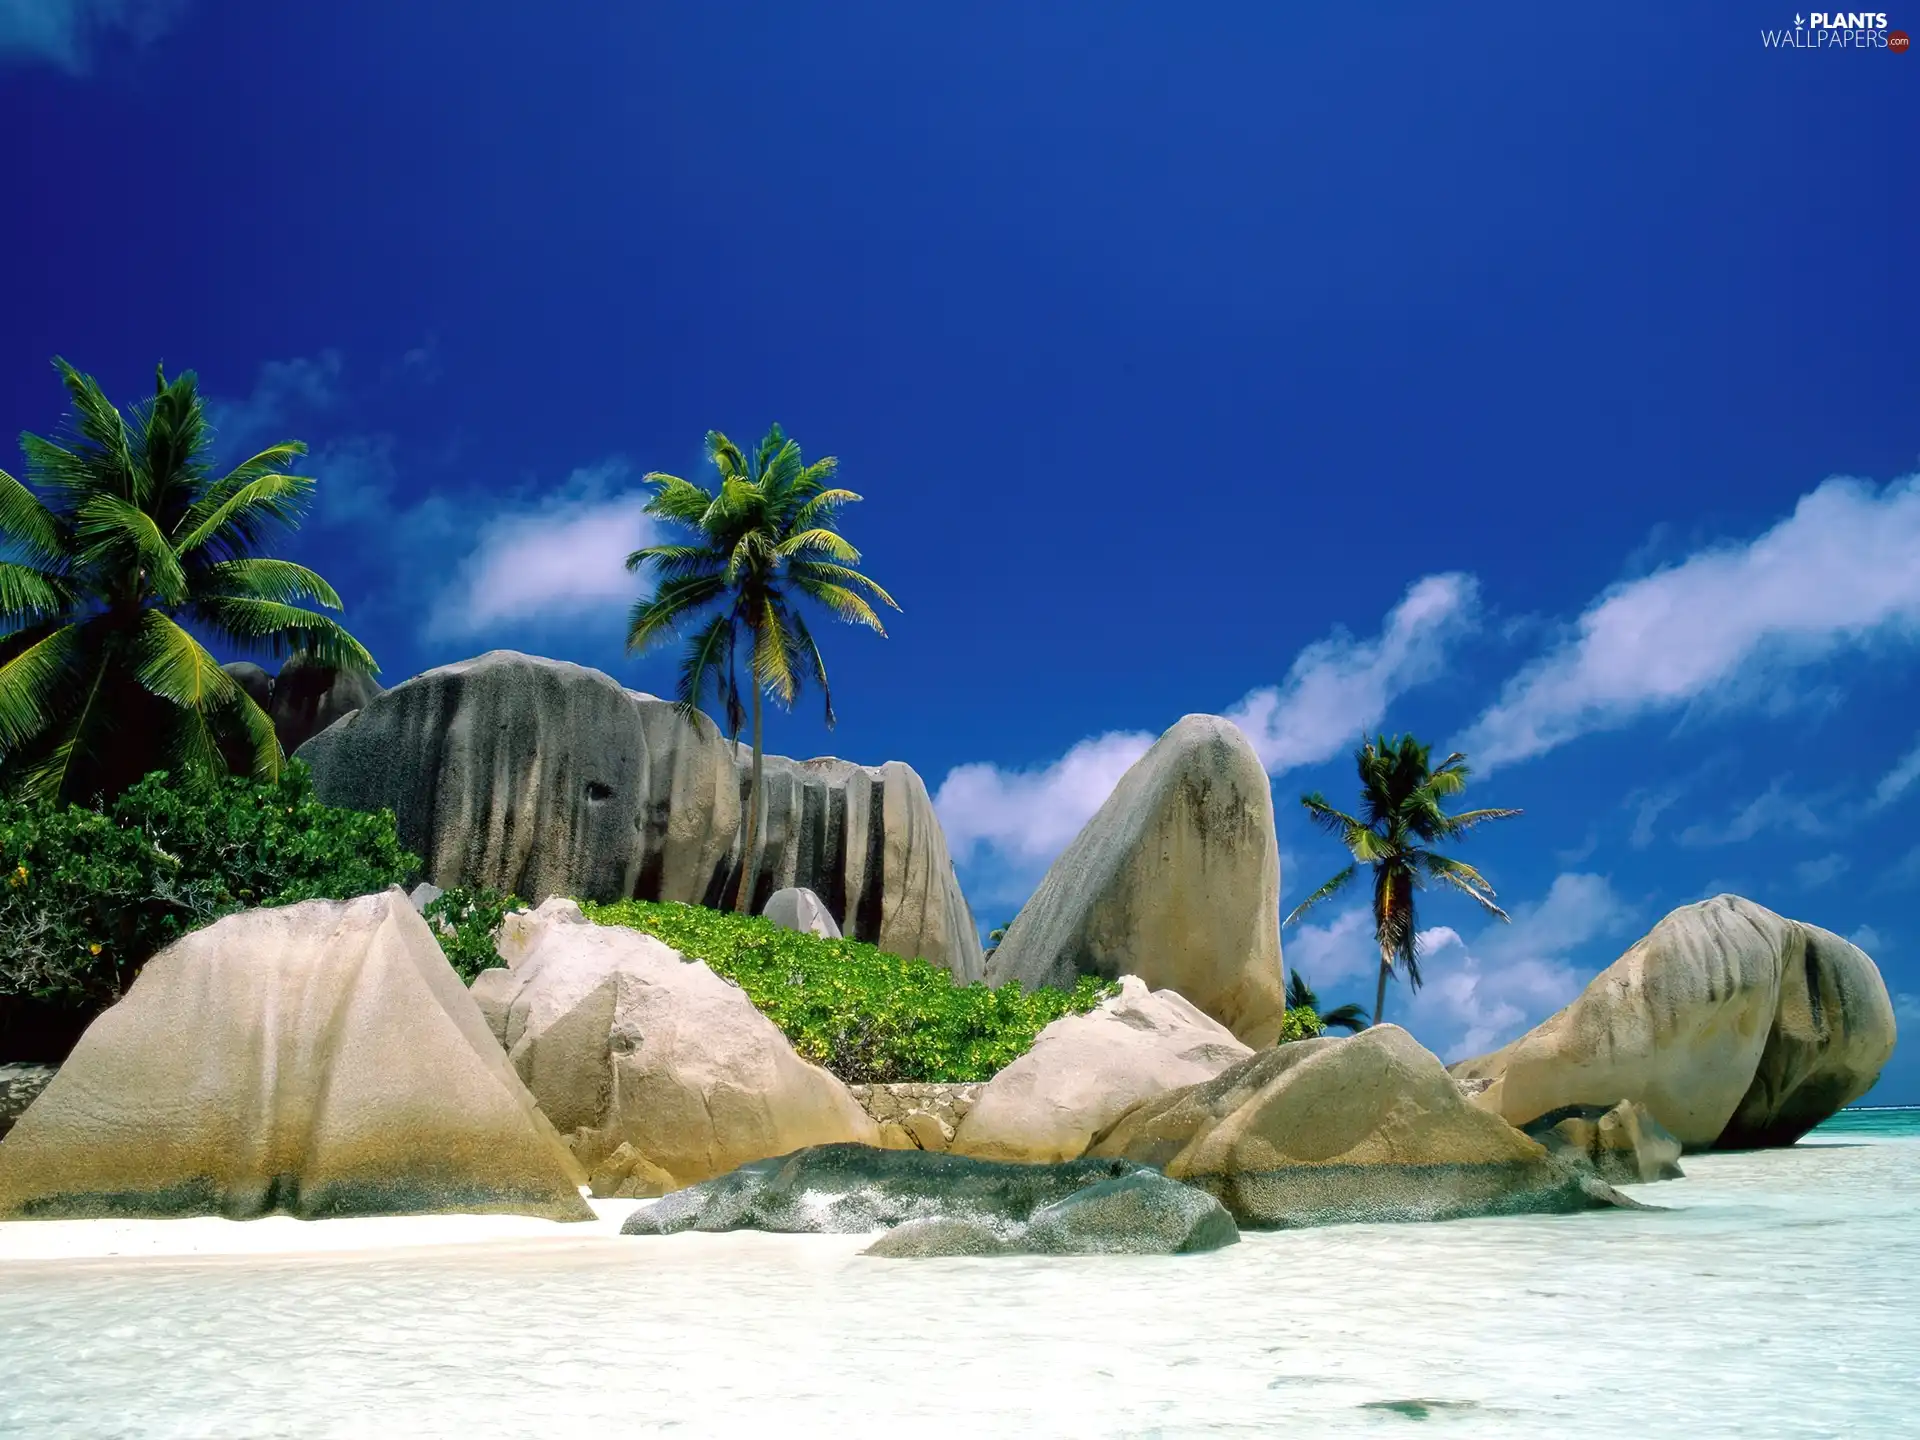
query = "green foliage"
{"x": 1402, "y": 814}
{"x": 125, "y": 533}
{"x": 866, "y": 1015}
{"x": 1300, "y": 996}
{"x": 89, "y": 896}
{"x": 1300, "y": 1022}
{"x": 466, "y": 921}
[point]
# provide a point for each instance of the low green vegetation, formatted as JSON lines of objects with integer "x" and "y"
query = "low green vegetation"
{"x": 866, "y": 1015}
{"x": 89, "y": 895}
{"x": 466, "y": 922}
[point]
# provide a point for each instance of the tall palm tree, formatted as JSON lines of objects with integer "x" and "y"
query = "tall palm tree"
{"x": 1400, "y": 799}
{"x": 1350, "y": 1018}
{"x": 124, "y": 534}
{"x": 765, "y": 536}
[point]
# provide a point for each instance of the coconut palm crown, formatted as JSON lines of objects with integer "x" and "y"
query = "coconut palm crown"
{"x": 763, "y": 539}
{"x": 1401, "y": 817}
{"x": 124, "y": 538}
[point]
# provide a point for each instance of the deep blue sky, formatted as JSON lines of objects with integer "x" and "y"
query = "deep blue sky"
{"x": 1166, "y": 342}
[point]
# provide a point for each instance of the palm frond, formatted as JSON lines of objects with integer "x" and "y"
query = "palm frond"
{"x": 1467, "y": 819}
{"x": 821, "y": 542}
{"x": 815, "y": 662}
{"x": 819, "y": 509}
{"x": 173, "y": 665}
{"x": 842, "y": 601}
{"x": 831, "y": 574}
{"x": 238, "y": 521}
{"x": 32, "y": 684}
{"x": 27, "y": 527}
{"x": 1331, "y": 888}
{"x": 31, "y": 596}
{"x": 1322, "y": 813}
{"x": 772, "y": 657}
{"x": 107, "y": 526}
{"x": 670, "y": 606}
{"x": 280, "y": 629}
{"x": 673, "y": 561}
{"x": 258, "y": 578}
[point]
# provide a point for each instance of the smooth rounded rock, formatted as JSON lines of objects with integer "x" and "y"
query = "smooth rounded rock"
{"x": 797, "y": 908}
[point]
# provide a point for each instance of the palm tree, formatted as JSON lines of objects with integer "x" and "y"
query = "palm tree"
{"x": 764, "y": 537}
{"x": 1400, "y": 797}
{"x": 123, "y": 535}
{"x": 1350, "y": 1018}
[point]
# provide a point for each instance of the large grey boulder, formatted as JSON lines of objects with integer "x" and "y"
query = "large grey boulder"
{"x": 305, "y": 697}
{"x": 545, "y": 778}
{"x": 624, "y": 1042}
{"x": 1368, "y": 1128}
{"x": 1084, "y": 1071}
{"x": 797, "y": 908}
{"x": 1175, "y": 879}
{"x": 319, "y": 1059}
{"x": 1731, "y": 1025}
{"x": 950, "y": 1205}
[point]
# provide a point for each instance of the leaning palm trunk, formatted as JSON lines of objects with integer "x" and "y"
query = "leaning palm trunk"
{"x": 1380, "y": 990}
{"x": 750, "y": 836}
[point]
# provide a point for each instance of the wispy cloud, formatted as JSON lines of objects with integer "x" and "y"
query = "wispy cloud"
{"x": 286, "y": 394}
{"x": 1340, "y": 686}
{"x": 1336, "y": 688}
{"x": 1774, "y": 810}
{"x": 1868, "y": 939}
{"x": 1813, "y": 874}
{"x": 1897, "y": 781}
{"x": 65, "y": 33}
{"x": 554, "y": 560}
{"x": 1723, "y": 623}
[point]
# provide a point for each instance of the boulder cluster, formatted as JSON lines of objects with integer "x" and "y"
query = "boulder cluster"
{"x": 323, "y": 1059}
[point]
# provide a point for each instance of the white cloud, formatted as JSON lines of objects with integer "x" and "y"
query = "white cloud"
{"x": 62, "y": 33}
{"x": 1868, "y": 939}
{"x": 1896, "y": 781}
{"x": 1907, "y": 1008}
{"x": 1342, "y": 949}
{"x": 1335, "y": 690}
{"x": 1812, "y": 874}
{"x": 1340, "y": 686}
{"x": 1028, "y": 816}
{"x": 1840, "y": 570}
{"x": 557, "y": 559}
{"x": 1479, "y": 994}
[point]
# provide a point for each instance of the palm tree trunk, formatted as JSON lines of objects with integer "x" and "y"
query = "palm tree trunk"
{"x": 750, "y": 836}
{"x": 1380, "y": 991}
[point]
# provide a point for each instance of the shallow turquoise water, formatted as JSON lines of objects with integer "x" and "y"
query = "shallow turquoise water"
{"x": 1777, "y": 1295}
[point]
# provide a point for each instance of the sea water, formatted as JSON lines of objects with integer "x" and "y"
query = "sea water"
{"x": 1776, "y": 1293}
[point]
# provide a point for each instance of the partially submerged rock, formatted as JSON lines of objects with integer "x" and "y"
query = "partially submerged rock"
{"x": 1085, "y": 1070}
{"x": 798, "y": 908}
{"x": 319, "y": 1059}
{"x": 1362, "y": 1129}
{"x": 542, "y": 778}
{"x": 1731, "y": 1025}
{"x": 950, "y": 1205}
{"x": 1175, "y": 879}
{"x": 624, "y": 1041}
{"x": 1625, "y": 1145}
{"x": 1143, "y": 1213}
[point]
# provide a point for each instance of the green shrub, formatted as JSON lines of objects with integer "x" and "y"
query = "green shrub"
{"x": 866, "y": 1015}
{"x": 89, "y": 896}
{"x": 466, "y": 920}
{"x": 1301, "y": 1022}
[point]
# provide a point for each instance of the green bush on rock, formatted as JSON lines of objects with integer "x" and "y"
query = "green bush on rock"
{"x": 89, "y": 895}
{"x": 466, "y": 922}
{"x": 868, "y": 1016}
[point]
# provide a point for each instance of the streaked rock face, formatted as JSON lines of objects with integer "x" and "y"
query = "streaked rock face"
{"x": 1337, "y": 1130}
{"x": 545, "y": 778}
{"x": 625, "y": 1043}
{"x": 1175, "y": 879}
{"x": 318, "y": 1059}
{"x": 1731, "y": 1025}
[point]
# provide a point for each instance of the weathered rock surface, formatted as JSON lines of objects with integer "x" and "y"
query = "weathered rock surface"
{"x": 20, "y": 1086}
{"x": 544, "y": 778}
{"x": 797, "y": 908}
{"x": 956, "y": 1205}
{"x": 1368, "y": 1128}
{"x": 1143, "y": 1213}
{"x": 1175, "y": 879}
{"x": 1730, "y": 1024}
{"x": 623, "y": 1041}
{"x": 1084, "y": 1071}
{"x": 318, "y": 1059}
{"x": 1625, "y": 1145}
